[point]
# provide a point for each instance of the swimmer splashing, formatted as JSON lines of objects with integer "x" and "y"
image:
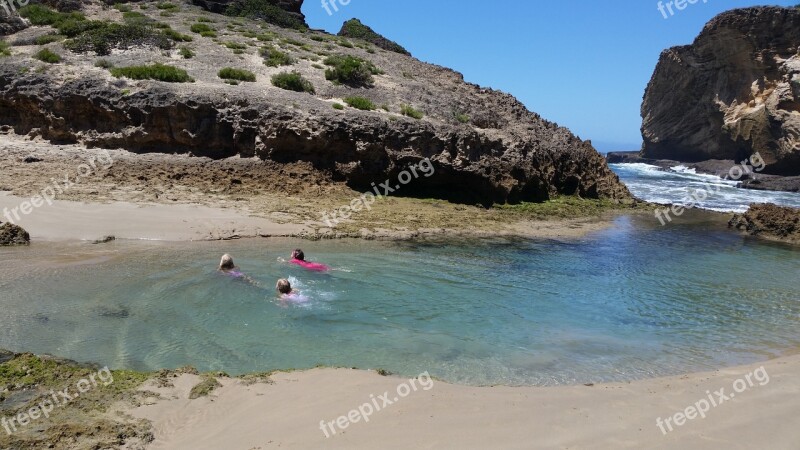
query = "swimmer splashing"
{"x": 284, "y": 288}
{"x": 299, "y": 258}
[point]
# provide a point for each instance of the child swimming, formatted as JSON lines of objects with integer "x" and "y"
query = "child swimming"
{"x": 284, "y": 288}
{"x": 299, "y": 258}
{"x": 227, "y": 267}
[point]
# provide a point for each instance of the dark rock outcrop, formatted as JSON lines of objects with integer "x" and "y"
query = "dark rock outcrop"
{"x": 10, "y": 23}
{"x": 292, "y": 7}
{"x": 769, "y": 221}
{"x": 11, "y": 234}
{"x": 353, "y": 28}
{"x": 734, "y": 92}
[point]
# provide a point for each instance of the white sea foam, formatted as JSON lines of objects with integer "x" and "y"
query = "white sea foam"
{"x": 654, "y": 184}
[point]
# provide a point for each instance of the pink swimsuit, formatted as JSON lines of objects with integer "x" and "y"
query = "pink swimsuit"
{"x": 314, "y": 267}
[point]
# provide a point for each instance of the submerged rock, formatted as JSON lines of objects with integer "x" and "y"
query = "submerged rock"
{"x": 769, "y": 221}
{"x": 732, "y": 93}
{"x": 11, "y": 234}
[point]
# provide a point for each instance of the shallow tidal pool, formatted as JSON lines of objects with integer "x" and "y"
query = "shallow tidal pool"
{"x": 633, "y": 301}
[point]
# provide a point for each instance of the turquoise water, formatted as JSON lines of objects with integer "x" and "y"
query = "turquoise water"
{"x": 630, "y": 302}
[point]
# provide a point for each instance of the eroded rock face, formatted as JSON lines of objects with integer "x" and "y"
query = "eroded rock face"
{"x": 734, "y": 92}
{"x": 11, "y": 234}
{"x": 769, "y": 221}
{"x": 529, "y": 160}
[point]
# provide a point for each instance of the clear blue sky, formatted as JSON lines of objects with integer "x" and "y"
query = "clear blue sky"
{"x": 581, "y": 63}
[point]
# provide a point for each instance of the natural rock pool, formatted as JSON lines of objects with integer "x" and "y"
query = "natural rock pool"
{"x": 633, "y": 301}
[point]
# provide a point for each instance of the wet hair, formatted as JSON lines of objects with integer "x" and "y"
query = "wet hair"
{"x": 298, "y": 254}
{"x": 226, "y": 263}
{"x": 283, "y": 286}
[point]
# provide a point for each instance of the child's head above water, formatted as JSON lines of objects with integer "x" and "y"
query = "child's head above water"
{"x": 226, "y": 263}
{"x": 283, "y": 286}
{"x": 299, "y": 255}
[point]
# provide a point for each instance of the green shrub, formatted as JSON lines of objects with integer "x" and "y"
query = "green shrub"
{"x": 345, "y": 43}
{"x": 134, "y": 16}
{"x": 45, "y": 55}
{"x": 121, "y": 7}
{"x": 235, "y": 46}
{"x": 4, "y": 48}
{"x": 385, "y": 107}
{"x": 176, "y": 36}
{"x": 230, "y": 73}
{"x": 48, "y": 38}
{"x": 201, "y": 28}
{"x": 208, "y": 34}
{"x": 186, "y": 53}
{"x": 167, "y": 6}
{"x": 350, "y": 70}
{"x": 204, "y": 20}
{"x": 101, "y": 37}
{"x": 42, "y": 15}
{"x": 103, "y": 63}
{"x": 362, "y": 103}
{"x": 461, "y": 118}
{"x": 266, "y": 11}
{"x": 265, "y": 37}
{"x": 292, "y": 82}
{"x": 338, "y": 106}
{"x": 159, "y": 72}
{"x": 294, "y": 42}
{"x": 407, "y": 110}
{"x": 274, "y": 57}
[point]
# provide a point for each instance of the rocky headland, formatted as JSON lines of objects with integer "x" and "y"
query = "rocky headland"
{"x": 352, "y": 110}
{"x": 732, "y": 93}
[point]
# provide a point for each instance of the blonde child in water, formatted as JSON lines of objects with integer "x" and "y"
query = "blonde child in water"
{"x": 227, "y": 267}
{"x": 284, "y": 288}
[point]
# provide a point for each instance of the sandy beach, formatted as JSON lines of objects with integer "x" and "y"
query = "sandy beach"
{"x": 288, "y": 412}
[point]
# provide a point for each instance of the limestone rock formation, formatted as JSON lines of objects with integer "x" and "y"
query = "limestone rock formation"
{"x": 769, "y": 221}
{"x": 11, "y": 234}
{"x": 485, "y": 146}
{"x": 733, "y": 92}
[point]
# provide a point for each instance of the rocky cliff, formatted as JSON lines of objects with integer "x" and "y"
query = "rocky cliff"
{"x": 733, "y": 92}
{"x": 486, "y": 147}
